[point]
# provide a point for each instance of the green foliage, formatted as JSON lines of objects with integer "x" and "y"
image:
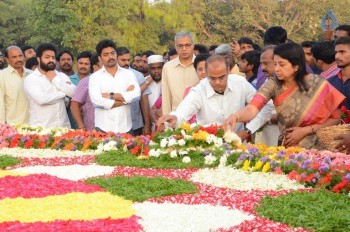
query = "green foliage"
{"x": 8, "y": 161}
{"x": 318, "y": 211}
{"x": 140, "y": 188}
{"x": 120, "y": 158}
{"x": 140, "y": 25}
{"x": 13, "y": 17}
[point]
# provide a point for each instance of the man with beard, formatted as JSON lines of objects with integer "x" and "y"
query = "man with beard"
{"x": 155, "y": 67}
{"x": 65, "y": 61}
{"x": 341, "y": 81}
{"x": 111, "y": 90}
{"x": 140, "y": 111}
{"x": 137, "y": 62}
{"x": 144, "y": 64}
{"x": 14, "y": 107}
{"x": 46, "y": 90}
{"x": 2, "y": 64}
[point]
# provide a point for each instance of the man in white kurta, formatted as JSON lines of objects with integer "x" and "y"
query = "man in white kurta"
{"x": 216, "y": 97}
{"x": 46, "y": 90}
{"x": 154, "y": 81}
{"x": 111, "y": 91}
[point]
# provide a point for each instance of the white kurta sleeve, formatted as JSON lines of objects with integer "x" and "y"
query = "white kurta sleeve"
{"x": 34, "y": 88}
{"x": 188, "y": 107}
{"x": 62, "y": 82}
{"x": 134, "y": 95}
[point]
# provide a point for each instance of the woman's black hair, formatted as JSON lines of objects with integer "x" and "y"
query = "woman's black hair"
{"x": 294, "y": 53}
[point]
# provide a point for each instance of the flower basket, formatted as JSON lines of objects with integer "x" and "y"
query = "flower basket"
{"x": 327, "y": 136}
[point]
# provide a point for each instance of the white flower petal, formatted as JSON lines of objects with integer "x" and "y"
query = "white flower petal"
{"x": 71, "y": 172}
{"x": 232, "y": 178}
{"x": 182, "y": 218}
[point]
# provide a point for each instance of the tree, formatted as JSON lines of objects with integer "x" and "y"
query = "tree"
{"x": 12, "y": 22}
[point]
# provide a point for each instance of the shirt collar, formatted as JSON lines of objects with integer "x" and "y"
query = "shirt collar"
{"x": 340, "y": 75}
{"x": 211, "y": 92}
{"x": 37, "y": 72}
{"x": 103, "y": 69}
{"x": 12, "y": 70}
{"x": 177, "y": 61}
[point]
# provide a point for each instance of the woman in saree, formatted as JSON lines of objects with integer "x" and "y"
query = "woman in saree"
{"x": 304, "y": 102}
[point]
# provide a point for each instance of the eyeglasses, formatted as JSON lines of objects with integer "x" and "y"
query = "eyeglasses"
{"x": 213, "y": 79}
{"x": 181, "y": 46}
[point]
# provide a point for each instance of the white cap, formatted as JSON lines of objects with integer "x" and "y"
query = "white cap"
{"x": 155, "y": 59}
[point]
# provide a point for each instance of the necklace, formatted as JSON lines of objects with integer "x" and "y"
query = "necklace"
{"x": 287, "y": 86}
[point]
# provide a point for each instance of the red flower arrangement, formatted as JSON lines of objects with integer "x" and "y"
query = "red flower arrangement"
{"x": 345, "y": 115}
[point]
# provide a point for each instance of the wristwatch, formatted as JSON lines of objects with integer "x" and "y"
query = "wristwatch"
{"x": 111, "y": 95}
{"x": 249, "y": 132}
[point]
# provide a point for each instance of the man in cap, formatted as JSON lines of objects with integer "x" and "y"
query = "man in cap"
{"x": 154, "y": 80}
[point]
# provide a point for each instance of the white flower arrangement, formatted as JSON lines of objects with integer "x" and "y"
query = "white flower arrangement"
{"x": 44, "y": 153}
{"x": 173, "y": 154}
{"x": 196, "y": 217}
{"x": 182, "y": 142}
{"x": 164, "y": 143}
{"x": 232, "y": 137}
{"x": 26, "y": 129}
{"x": 155, "y": 153}
{"x": 172, "y": 142}
{"x": 110, "y": 146}
{"x": 209, "y": 159}
{"x": 183, "y": 153}
{"x": 186, "y": 159}
{"x": 238, "y": 179}
{"x": 223, "y": 161}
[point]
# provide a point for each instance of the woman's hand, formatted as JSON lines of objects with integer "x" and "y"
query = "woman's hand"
{"x": 344, "y": 144}
{"x": 295, "y": 135}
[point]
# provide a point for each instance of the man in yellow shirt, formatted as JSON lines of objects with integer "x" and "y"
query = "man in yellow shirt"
{"x": 14, "y": 107}
{"x": 179, "y": 73}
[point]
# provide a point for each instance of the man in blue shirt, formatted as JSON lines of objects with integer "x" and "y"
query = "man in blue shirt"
{"x": 342, "y": 58}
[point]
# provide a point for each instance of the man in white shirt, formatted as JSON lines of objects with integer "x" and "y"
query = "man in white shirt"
{"x": 215, "y": 98}
{"x": 140, "y": 110}
{"x": 111, "y": 90}
{"x": 154, "y": 80}
{"x": 46, "y": 90}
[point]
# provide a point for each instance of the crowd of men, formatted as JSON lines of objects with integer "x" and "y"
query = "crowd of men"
{"x": 113, "y": 91}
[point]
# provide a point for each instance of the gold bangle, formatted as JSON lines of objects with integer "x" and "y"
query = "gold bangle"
{"x": 237, "y": 115}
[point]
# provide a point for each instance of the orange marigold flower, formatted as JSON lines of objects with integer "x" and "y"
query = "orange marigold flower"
{"x": 68, "y": 147}
{"x": 201, "y": 135}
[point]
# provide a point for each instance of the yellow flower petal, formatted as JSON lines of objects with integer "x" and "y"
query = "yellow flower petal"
{"x": 4, "y": 173}
{"x": 72, "y": 206}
